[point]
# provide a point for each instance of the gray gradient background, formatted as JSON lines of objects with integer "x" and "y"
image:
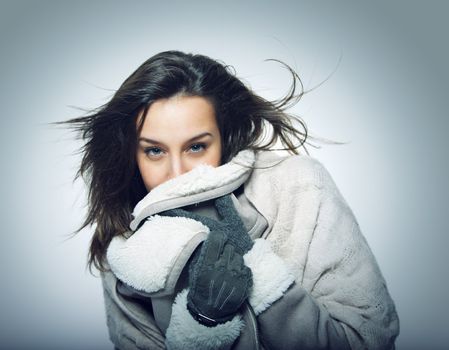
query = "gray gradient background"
{"x": 388, "y": 99}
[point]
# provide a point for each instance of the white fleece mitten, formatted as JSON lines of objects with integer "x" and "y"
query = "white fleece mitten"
{"x": 271, "y": 275}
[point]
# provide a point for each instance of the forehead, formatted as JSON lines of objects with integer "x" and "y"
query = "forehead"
{"x": 178, "y": 113}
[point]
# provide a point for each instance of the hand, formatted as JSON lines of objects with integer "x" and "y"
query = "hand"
{"x": 219, "y": 281}
{"x": 218, "y": 278}
{"x": 230, "y": 224}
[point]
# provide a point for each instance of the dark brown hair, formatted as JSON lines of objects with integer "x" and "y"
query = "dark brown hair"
{"x": 110, "y": 137}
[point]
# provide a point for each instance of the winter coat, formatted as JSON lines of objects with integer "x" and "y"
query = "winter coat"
{"x": 316, "y": 283}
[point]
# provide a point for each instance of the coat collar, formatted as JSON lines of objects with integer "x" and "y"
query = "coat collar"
{"x": 202, "y": 183}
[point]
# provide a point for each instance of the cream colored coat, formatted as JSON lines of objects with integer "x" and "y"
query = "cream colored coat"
{"x": 316, "y": 283}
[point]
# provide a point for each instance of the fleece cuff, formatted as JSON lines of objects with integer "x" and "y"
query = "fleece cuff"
{"x": 152, "y": 259}
{"x": 184, "y": 332}
{"x": 271, "y": 276}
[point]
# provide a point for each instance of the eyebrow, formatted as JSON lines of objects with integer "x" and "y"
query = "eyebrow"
{"x": 146, "y": 139}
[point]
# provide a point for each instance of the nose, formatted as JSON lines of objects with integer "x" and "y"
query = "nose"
{"x": 178, "y": 166}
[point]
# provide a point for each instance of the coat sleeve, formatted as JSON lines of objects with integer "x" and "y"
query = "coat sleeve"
{"x": 130, "y": 321}
{"x": 288, "y": 316}
{"x": 184, "y": 332}
{"x": 340, "y": 300}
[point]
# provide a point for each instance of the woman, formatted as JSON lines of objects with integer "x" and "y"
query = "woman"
{"x": 207, "y": 240}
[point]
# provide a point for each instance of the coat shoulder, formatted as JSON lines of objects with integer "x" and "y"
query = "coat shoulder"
{"x": 301, "y": 170}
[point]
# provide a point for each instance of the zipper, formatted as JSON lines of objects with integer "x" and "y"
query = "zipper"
{"x": 253, "y": 319}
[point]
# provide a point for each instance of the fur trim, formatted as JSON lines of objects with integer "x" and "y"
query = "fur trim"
{"x": 184, "y": 332}
{"x": 271, "y": 276}
{"x": 199, "y": 179}
{"x": 145, "y": 260}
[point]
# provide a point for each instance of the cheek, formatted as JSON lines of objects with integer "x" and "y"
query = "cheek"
{"x": 151, "y": 176}
{"x": 214, "y": 157}
{"x": 216, "y": 160}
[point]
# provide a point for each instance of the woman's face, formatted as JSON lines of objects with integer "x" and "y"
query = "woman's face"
{"x": 178, "y": 134}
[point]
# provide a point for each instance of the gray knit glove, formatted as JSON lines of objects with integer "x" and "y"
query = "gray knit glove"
{"x": 219, "y": 281}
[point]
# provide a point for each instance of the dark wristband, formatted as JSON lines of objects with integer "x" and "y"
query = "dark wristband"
{"x": 205, "y": 320}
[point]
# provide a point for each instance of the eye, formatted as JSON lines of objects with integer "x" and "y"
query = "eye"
{"x": 153, "y": 151}
{"x": 198, "y": 147}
